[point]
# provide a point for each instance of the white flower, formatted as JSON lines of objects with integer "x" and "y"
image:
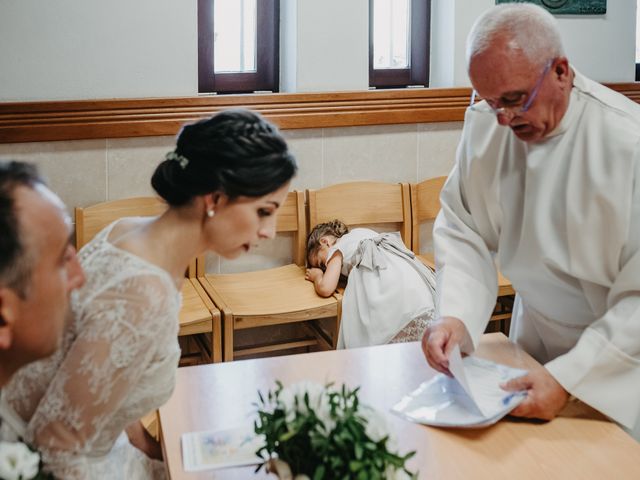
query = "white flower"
{"x": 268, "y": 406}
{"x": 292, "y": 399}
{"x": 323, "y": 412}
{"x": 17, "y": 462}
{"x": 376, "y": 427}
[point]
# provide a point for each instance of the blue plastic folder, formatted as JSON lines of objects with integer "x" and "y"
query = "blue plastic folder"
{"x": 471, "y": 399}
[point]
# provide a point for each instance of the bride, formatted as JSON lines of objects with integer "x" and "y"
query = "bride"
{"x": 81, "y": 407}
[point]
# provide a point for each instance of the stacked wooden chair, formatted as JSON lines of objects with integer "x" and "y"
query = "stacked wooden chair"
{"x": 425, "y": 205}
{"x": 199, "y": 319}
{"x": 273, "y": 296}
{"x": 379, "y": 205}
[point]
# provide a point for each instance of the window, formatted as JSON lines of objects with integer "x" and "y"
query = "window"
{"x": 238, "y": 44}
{"x": 399, "y": 43}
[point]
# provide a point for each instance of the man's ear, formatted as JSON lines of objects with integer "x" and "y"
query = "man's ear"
{"x": 561, "y": 68}
{"x": 8, "y": 314}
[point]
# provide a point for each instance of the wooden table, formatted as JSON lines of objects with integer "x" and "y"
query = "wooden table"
{"x": 579, "y": 444}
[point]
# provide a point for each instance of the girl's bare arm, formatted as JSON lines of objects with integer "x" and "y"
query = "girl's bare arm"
{"x": 326, "y": 282}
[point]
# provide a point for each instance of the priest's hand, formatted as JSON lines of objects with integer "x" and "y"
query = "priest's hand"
{"x": 545, "y": 396}
{"x": 439, "y": 339}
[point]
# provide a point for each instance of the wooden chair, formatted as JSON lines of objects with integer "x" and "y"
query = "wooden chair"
{"x": 198, "y": 315}
{"x": 425, "y": 205}
{"x": 273, "y": 296}
{"x": 356, "y": 204}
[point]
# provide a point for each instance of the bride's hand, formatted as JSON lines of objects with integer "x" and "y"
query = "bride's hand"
{"x": 140, "y": 438}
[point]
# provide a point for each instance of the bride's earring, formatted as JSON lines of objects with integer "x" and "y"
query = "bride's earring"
{"x": 210, "y": 213}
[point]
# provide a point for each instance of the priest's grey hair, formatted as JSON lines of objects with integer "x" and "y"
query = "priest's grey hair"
{"x": 528, "y": 28}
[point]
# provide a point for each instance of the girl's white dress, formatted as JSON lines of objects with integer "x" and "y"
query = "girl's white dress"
{"x": 117, "y": 362}
{"x": 389, "y": 295}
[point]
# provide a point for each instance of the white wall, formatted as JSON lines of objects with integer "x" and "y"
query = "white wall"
{"x": 443, "y": 34}
{"x": 331, "y": 36}
{"x": 602, "y": 46}
{"x": 77, "y": 49}
{"x": 84, "y": 49}
{"x": 288, "y": 45}
{"x": 466, "y": 12}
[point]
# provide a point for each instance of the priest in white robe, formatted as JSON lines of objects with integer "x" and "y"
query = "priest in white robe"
{"x": 546, "y": 182}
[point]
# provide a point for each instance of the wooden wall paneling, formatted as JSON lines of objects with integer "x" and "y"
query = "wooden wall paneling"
{"x": 84, "y": 119}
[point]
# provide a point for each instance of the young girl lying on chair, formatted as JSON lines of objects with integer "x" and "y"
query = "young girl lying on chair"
{"x": 389, "y": 296}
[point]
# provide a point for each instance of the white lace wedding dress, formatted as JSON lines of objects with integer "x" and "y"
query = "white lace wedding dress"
{"x": 117, "y": 362}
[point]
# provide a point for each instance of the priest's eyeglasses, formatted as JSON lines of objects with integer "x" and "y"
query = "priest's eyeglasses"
{"x": 514, "y": 104}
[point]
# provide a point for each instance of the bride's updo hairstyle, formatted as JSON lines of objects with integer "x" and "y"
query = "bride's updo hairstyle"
{"x": 236, "y": 152}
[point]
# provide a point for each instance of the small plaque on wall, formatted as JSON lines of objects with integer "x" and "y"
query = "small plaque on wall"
{"x": 567, "y": 7}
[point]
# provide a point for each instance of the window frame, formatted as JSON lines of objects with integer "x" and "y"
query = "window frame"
{"x": 418, "y": 72}
{"x": 267, "y": 74}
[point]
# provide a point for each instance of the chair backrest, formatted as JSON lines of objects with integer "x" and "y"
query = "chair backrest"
{"x": 292, "y": 218}
{"x": 363, "y": 203}
{"x": 90, "y": 220}
{"x": 425, "y": 205}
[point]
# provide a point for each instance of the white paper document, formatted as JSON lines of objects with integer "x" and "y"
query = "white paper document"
{"x": 472, "y": 398}
{"x": 220, "y": 449}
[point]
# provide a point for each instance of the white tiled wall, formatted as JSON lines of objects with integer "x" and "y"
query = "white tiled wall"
{"x": 84, "y": 172}
{"x": 75, "y": 170}
{"x": 130, "y": 162}
{"x": 382, "y": 153}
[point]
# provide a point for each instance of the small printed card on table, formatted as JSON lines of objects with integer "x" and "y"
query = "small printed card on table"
{"x": 220, "y": 449}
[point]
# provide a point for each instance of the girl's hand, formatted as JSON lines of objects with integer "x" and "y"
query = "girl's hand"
{"x": 325, "y": 283}
{"x": 313, "y": 274}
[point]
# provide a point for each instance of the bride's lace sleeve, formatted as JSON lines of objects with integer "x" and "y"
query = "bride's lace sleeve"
{"x": 121, "y": 332}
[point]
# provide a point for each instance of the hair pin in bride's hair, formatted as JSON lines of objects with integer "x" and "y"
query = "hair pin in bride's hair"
{"x": 176, "y": 157}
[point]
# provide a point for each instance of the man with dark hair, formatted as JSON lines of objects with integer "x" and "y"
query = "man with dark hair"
{"x": 38, "y": 267}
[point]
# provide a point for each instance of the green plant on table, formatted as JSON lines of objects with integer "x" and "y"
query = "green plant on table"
{"x": 326, "y": 433}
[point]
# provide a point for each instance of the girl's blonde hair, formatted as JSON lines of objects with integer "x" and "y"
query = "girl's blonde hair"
{"x": 335, "y": 227}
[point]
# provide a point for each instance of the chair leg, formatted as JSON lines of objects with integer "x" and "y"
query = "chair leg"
{"x": 502, "y": 313}
{"x": 216, "y": 339}
{"x": 325, "y": 340}
{"x": 227, "y": 349}
{"x": 338, "y": 320}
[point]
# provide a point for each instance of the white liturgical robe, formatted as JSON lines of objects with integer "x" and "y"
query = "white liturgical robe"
{"x": 563, "y": 217}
